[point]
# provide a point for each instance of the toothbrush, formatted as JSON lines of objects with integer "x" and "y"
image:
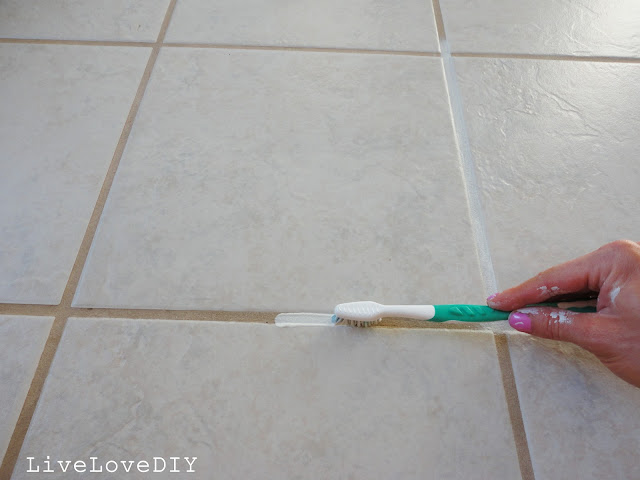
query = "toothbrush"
{"x": 365, "y": 314}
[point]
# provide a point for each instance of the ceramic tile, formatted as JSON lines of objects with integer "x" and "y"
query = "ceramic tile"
{"x": 287, "y": 181}
{"x": 259, "y": 401}
{"x": 367, "y": 24}
{"x": 581, "y": 420}
{"x": 579, "y": 28}
{"x": 22, "y": 340}
{"x": 556, "y": 147}
{"x": 82, "y": 19}
{"x": 63, "y": 109}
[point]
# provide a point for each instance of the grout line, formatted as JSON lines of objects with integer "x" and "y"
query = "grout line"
{"x": 117, "y": 43}
{"x": 31, "y": 400}
{"x": 99, "y": 43}
{"x": 301, "y": 49}
{"x": 440, "y": 27}
{"x": 74, "y": 278}
{"x": 165, "y": 23}
{"x": 513, "y": 406}
{"x": 64, "y": 309}
{"x": 494, "y": 55}
{"x": 200, "y": 315}
{"x": 478, "y": 228}
{"x": 29, "y": 310}
{"x": 561, "y": 58}
{"x": 467, "y": 164}
{"x": 437, "y": 13}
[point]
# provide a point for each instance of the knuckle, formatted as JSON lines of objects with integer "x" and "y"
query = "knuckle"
{"x": 623, "y": 247}
{"x": 551, "y": 328}
{"x": 622, "y": 252}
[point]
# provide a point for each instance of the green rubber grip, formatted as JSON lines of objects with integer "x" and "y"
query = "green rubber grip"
{"x": 481, "y": 313}
{"x": 468, "y": 313}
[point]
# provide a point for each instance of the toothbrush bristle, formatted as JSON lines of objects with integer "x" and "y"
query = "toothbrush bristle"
{"x": 355, "y": 323}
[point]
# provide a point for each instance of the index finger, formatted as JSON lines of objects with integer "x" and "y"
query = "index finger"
{"x": 581, "y": 275}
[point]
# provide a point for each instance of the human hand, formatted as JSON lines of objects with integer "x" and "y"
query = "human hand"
{"x": 613, "y": 333}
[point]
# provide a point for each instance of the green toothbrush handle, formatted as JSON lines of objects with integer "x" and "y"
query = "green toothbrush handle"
{"x": 480, "y": 313}
{"x": 468, "y": 313}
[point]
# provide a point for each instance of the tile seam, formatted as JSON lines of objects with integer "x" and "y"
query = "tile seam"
{"x": 251, "y": 316}
{"x": 479, "y": 231}
{"x": 362, "y": 51}
{"x": 95, "y": 43}
{"x": 549, "y": 57}
{"x": 29, "y": 405}
{"x": 63, "y": 310}
{"x": 116, "y": 43}
{"x": 494, "y": 55}
{"x": 467, "y": 163}
{"x": 513, "y": 406}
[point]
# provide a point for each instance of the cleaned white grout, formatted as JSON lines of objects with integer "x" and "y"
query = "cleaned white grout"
{"x": 476, "y": 212}
{"x": 547, "y": 57}
{"x": 478, "y": 227}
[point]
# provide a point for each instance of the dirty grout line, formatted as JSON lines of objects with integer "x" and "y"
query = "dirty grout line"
{"x": 276, "y": 48}
{"x": 250, "y": 316}
{"x": 28, "y": 407}
{"x": 467, "y": 163}
{"x": 94, "y": 43}
{"x": 513, "y": 406}
{"x": 76, "y": 271}
{"x": 165, "y": 23}
{"x": 29, "y": 310}
{"x": 301, "y": 49}
{"x": 63, "y": 310}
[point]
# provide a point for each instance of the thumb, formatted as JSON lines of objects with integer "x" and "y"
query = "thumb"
{"x": 587, "y": 330}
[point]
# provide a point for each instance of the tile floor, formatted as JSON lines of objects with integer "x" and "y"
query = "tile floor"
{"x": 175, "y": 173}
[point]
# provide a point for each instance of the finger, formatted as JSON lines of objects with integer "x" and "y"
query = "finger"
{"x": 582, "y": 275}
{"x": 592, "y": 331}
{"x": 574, "y": 297}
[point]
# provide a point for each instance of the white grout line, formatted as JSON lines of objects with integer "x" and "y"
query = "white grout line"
{"x": 476, "y": 213}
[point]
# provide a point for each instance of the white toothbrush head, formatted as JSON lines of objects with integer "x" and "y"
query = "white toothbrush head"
{"x": 358, "y": 314}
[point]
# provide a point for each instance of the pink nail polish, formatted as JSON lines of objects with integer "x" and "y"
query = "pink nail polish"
{"x": 520, "y": 321}
{"x": 491, "y": 297}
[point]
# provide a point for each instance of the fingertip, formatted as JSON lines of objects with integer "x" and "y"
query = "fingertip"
{"x": 520, "y": 321}
{"x": 491, "y": 299}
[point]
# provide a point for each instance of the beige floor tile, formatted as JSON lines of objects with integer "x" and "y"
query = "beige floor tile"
{"x": 578, "y": 28}
{"x": 556, "y": 147}
{"x": 82, "y": 19}
{"x": 367, "y": 24}
{"x": 22, "y": 340}
{"x": 63, "y": 109}
{"x": 581, "y": 420}
{"x": 283, "y": 181}
{"x": 261, "y": 401}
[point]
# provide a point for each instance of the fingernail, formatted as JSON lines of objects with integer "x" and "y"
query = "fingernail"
{"x": 520, "y": 321}
{"x": 491, "y": 297}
